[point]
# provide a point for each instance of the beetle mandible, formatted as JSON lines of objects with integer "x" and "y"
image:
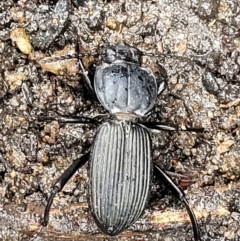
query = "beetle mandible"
{"x": 121, "y": 154}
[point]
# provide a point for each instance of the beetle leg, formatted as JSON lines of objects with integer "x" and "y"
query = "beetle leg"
{"x": 179, "y": 194}
{"x": 69, "y": 119}
{"x": 163, "y": 126}
{"x": 62, "y": 180}
{"x": 57, "y": 187}
{"x": 184, "y": 181}
{"x": 160, "y": 75}
{"x": 86, "y": 78}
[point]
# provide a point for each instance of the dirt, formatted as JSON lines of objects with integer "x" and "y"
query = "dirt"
{"x": 197, "y": 42}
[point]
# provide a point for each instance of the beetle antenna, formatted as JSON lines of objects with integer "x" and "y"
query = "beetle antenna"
{"x": 68, "y": 56}
{"x": 169, "y": 56}
{"x": 189, "y": 58}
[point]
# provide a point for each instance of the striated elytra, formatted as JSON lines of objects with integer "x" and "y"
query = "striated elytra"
{"x": 120, "y": 158}
{"x": 120, "y": 173}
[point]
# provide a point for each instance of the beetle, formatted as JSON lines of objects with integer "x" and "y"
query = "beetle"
{"x": 120, "y": 158}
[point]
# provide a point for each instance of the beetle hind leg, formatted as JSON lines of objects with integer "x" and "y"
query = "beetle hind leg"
{"x": 62, "y": 180}
{"x": 57, "y": 187}
{"x": 179, "y": 194}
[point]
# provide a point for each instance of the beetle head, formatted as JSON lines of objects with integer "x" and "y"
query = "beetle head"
{"x": 123, "y": 51}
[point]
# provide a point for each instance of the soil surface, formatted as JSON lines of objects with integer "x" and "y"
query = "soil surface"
{"x": 197, "y": 42}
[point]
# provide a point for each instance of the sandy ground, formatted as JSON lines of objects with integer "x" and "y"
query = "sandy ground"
{"x": 201, "y": 43}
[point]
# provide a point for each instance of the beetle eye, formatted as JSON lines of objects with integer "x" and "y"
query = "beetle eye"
{"x": 111, "y": 55}
{"x": 124, "y": 54}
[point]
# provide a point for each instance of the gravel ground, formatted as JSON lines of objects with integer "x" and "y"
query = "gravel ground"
{"x": 201, "y": 43}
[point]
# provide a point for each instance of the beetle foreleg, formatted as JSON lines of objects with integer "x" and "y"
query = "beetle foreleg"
{"x": 161, "y": 76}
{"x": 179, "y": 194}
{"x": 86, "y": 78}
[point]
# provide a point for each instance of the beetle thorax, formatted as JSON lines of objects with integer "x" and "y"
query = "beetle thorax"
{"x": 125, "y": 89}
{"x": 123, "y": 52}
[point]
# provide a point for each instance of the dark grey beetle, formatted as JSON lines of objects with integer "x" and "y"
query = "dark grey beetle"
{"x": 121, "y": 155}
